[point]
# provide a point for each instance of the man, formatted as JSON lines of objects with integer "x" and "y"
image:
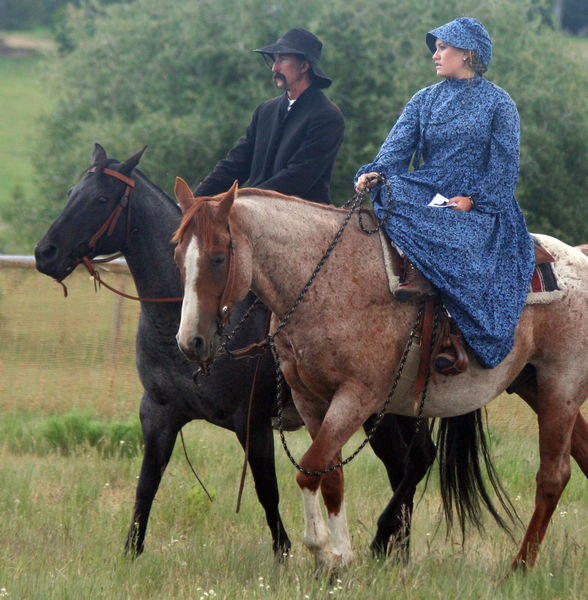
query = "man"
{"x": 292, "y": 140}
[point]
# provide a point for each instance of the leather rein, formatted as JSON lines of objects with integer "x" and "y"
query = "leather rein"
{"x": 107, "y": 228}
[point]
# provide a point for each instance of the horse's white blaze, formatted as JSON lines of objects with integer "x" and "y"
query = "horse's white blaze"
{"x": 316, "y": 534}
{"x": 189, "y": 318}
{"x": 340, "y": 535}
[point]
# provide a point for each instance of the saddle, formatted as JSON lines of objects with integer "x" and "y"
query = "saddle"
{"x": 449, "y": 345}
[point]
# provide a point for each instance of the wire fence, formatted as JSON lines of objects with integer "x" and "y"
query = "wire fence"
{"x": 73, "y": 354}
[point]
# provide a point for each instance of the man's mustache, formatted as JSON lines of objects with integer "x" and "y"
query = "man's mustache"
{"x": 278, "y": 77}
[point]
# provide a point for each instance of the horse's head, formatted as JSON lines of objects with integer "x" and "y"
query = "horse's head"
{"x": 93, "y": 219}
{"x": 215, "y": 263}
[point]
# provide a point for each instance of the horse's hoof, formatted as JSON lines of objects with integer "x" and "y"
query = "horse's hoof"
{"x": 331, "y": 563}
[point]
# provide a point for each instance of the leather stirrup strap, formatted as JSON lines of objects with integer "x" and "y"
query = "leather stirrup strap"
{"x": 426, "y": 326}
{"x": 248, "y": 430}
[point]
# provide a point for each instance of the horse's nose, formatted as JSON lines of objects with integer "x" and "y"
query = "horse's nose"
{"x": 193, "y": 349}
{"x": 45, "y": 255}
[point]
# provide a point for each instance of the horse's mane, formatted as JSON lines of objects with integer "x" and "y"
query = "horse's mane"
{"x": 277, "y": 195}
{"x": 198, "y": 217}
{"x": 161, "y": 192}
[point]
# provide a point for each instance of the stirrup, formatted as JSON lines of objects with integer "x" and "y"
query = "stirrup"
{"x": 409, "y": 294}
{"x": 453, "y": 359}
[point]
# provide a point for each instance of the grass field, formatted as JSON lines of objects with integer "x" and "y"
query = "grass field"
{"x": 23, "y": 101}
{"x": 21, "y": 98}
{"x": 64, "y": 517}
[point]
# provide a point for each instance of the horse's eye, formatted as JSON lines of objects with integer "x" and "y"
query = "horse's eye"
{"x": 102, "y": 199}
{"x": 217, "y": 261}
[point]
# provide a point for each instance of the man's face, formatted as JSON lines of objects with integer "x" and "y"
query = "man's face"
{"x": 287, "y": 69}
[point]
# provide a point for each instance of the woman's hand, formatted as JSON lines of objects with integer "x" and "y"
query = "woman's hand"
{"x": 366, "y": 182}
{"x": 464, "y": 203}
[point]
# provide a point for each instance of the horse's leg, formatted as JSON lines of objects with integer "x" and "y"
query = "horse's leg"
{"x": 345, "y": 415}
{"x": 556, "y": 422}
{"x": 407, "y": 461}
{"x": 580, "y": 443}
{"x": 263, "y": 468}
{"x": 332, "y": 486}
{"x": 316, "y": 532}
{"x": 159, "y": 437}
{"x": 526, "y": 387}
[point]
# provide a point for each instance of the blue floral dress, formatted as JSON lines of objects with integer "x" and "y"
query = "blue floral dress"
{"x": 465, "y": 136}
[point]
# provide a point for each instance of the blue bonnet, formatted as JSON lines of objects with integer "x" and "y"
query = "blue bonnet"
{"x": 465, "y": 33}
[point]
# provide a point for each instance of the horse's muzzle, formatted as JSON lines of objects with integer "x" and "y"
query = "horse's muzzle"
{"x": 195, "y": 349}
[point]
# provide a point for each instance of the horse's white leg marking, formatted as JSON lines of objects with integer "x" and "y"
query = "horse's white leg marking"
{"x": 189, "y": 319}
{"x": 340, "y": 538}
{"x": 316, "y": 534}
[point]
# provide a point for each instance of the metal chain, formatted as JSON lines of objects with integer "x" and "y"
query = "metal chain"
{"x": 228, "y": 337}
{"x": 377, "y": 421}
{"x": 355, "y": 202}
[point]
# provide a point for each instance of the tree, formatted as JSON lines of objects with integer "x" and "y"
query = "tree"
{"x": 574, "y": 16}
{"x": 180, "y": 76}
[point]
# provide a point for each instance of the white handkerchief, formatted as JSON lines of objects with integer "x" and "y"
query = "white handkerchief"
{"x": 441, "y": 201}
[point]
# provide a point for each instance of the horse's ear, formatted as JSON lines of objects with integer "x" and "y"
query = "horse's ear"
{"x": 131, "y": 163}
{"x": 224, "y": 208}
{"x": 183, "y": 194}
{"x": 99, "y": 154}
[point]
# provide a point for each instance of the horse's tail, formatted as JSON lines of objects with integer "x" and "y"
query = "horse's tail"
{"x": 460, "y": 441}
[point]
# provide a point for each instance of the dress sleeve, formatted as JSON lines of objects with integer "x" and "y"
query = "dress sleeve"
{"x": 396, "y": 152}
{"x": 494, "y": 191}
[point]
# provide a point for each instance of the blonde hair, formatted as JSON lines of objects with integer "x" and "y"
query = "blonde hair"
{"x": 474, "y": 62}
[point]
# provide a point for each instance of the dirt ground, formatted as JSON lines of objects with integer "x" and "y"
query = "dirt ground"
{"x": 19, "y": 44}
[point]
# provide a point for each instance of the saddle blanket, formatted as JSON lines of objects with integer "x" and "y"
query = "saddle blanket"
{"x": 543, "y": 288}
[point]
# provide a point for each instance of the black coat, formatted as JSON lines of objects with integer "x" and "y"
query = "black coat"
{"x": 292, "y": 152}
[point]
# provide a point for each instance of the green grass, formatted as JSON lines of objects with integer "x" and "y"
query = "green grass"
{"x": 65, "y": 520}
{"x": 22, "y": 101}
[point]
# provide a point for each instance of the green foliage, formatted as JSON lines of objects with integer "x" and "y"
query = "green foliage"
{"x": 25, "y": 14}
{"x": 180, "y": 76}
{"x": 197, "y": 500}
{"x": 68, "y": 433}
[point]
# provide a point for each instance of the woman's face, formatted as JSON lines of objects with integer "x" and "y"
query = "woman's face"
{"x": 451, "y": 61}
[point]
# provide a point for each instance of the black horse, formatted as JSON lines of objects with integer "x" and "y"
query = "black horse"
{"x": 113, "y": 208}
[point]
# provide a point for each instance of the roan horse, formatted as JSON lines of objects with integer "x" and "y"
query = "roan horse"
{"x": 341, "y": 347}
{"x": 143, "y": 233}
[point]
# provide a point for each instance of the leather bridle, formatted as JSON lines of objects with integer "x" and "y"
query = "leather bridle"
{"x": 226, "y": 302}
{"x": 110, "y": 223}
{"x": 108, "y": 229}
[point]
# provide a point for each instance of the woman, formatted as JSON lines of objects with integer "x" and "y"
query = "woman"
{"x": 463, "y": 138}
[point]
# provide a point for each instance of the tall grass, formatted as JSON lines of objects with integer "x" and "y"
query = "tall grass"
{"x": 64, "y": 520}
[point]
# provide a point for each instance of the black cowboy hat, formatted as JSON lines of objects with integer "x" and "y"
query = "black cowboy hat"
{"x": 302, "y": 42}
